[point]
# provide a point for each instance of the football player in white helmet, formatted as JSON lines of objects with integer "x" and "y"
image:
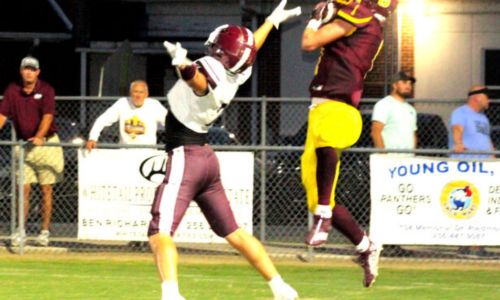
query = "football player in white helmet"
{"x": 196, "y": 100}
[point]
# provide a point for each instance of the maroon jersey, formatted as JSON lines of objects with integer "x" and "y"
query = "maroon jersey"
{"x": 27, "y": 110}
{"x": 344, "y": 63}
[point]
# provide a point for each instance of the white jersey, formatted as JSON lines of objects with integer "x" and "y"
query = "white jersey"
{"x": 198, "y": 113}
{"x": 138, "y": 125}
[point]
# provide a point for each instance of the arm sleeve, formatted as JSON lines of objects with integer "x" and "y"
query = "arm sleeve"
{"x": 5, "y": 105}
{"x": 49, "y": 102}
{"x": 213, "y": 70}
{"x": 457, "y": 118}
{"x": 110, "y": 116}
{"x": 355, "y": 13}
{"x": 380, "y": 112}
{"x": 216, "y": 76}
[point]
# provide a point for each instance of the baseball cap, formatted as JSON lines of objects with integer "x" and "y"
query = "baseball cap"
{"x": 480, "y": 90}
{"x": 402, "y": 75}
{"x": 30, "y": 62}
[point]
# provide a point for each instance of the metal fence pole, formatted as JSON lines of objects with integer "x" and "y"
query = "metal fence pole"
{"x": 12, "y": 181}
{"x": 263, "y": 164}
{"x": 83, "y": 89}
{"x": 22, "y": 231}
{"x": 255, "y": 91}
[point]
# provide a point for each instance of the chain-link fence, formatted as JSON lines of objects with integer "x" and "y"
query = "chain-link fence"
{"x": 274, "y": 130}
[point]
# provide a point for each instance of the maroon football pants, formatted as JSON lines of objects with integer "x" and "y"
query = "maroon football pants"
{"x": 192, "y": 173}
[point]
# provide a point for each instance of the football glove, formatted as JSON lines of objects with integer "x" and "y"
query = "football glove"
{"x": 280, "y": 14}
{"x": 177, "y": 53}
{"x": 322, "y": 13}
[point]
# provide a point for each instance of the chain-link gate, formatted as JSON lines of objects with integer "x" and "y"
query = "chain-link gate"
{"x": 274, "y": 129}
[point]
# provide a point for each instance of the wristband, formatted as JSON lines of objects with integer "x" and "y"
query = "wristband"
{"x": 188, "y": 72}
{"x": 314, "y": 24}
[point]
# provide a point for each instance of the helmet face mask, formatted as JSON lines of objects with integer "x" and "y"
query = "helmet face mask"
{"x": 233, "y": 46}
{"x": 384, "y": 7}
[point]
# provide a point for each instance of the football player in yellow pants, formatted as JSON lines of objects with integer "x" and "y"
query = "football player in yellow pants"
{"x": 332, "y": 124}
{"x": 350, "y": 36}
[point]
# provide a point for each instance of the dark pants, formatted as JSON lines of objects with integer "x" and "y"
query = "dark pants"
{"x": 192, "y": 173}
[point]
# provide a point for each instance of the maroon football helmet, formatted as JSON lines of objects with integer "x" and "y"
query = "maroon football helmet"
{"x": 233, "y": 46}
{"x": 384, "y": 7}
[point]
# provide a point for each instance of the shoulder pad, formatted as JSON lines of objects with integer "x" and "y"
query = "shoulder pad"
{"x": 355, "y": 13}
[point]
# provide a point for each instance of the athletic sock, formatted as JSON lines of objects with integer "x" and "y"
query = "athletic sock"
{"x": 170, "y": 287}
{"x": 324, "y": 211}
{"x": 276, "y": 282}
{"x": 363, "y": 245}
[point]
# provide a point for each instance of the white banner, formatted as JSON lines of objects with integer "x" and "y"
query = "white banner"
{"x": 116, "y": 190}
{"x": 434, "y": 201}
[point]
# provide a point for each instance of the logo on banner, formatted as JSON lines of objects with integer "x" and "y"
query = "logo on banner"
{"x": 153, "y": 168}
{"x": 460, "y": 199}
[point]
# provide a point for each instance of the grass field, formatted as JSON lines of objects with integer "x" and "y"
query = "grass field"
{"x": 134, "y": 277}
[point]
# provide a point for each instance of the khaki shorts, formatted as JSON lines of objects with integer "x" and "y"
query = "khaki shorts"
{"x": 43, "y": 164}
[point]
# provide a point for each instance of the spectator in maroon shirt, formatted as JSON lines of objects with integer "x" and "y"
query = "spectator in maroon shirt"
{"x": 30, "y": 105}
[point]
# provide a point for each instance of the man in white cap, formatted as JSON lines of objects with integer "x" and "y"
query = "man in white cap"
{"x": 30, "y": 104}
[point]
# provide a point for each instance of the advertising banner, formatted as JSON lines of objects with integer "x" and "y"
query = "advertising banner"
{"x": 434, "y": 201}
{"x": 117, "y": 187}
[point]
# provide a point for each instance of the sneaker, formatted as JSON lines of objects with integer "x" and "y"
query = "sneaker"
{"x": 17, "y": 238}
{"x": 318, "y": 234}
{"x": 368, "y": 260}
{"x": 285, "y": 292}
{"x": 43, "y": 238}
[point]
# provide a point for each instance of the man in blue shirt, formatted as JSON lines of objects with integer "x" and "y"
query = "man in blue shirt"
{"x": 470, "y": 130}
{"x": 469, "y": 126}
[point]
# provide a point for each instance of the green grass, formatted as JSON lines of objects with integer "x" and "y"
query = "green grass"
{"x": 92, "y": 278}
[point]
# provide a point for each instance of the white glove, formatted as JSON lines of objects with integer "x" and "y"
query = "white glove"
{"x": 322, "y": 13}
{"x": 177, "y": 53}
{"x": 280, "y": 14}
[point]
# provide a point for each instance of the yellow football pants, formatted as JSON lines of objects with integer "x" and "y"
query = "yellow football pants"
{"x": 330, "y": 124}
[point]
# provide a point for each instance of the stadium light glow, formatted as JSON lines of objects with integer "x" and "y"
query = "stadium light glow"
{"x": 412, "y": 8}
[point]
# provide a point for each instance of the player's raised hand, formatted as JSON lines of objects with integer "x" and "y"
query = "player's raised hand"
{"x": 177, "y": 53}
{"x": 323, "y": 12}
{"x": 280, "y": 14}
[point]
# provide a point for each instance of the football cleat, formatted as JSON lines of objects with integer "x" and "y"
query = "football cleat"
{"x": 318, "y": 234}
{"x": 368, "y": 260}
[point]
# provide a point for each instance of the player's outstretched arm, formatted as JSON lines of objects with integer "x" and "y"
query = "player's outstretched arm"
{"x": 312, "y": 40}
{"x": 278, "y": 16}
{"x": 186, "y": 69}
